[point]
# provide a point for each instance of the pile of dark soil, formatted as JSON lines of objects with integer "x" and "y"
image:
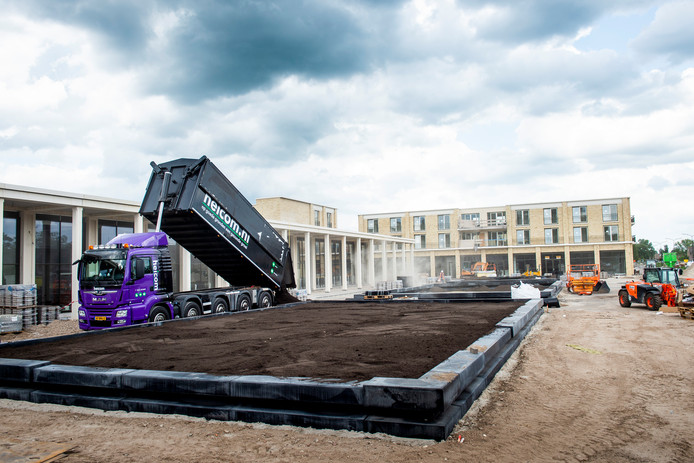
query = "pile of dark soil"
{"x": 347, "y": 341}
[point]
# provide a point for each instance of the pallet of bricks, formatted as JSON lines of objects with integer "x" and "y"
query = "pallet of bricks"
{"x": 18, "y": 303}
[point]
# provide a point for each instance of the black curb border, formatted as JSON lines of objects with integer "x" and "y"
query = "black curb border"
{"x": 427, "y": 407}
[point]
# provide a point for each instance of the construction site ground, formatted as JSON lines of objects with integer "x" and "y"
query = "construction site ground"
{"x": 592, "y": 382}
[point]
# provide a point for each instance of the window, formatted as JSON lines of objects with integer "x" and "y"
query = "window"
{"x": 523, "y": 237}
{"x": 53, "y": 248}
{"x": 497, "y": 239}
{"x": 472, "y": 216}
{"x": 420, "y": 241}
{"x": 609, "y": 213}
{"x": 109, "y": 229}
{"x": 444, "y": 222}
{"x": 580, "y": 234}
{"x": 611, "y": 233}
{"x": 148, "y": 265}
{"x": 316, "y": 217}
{"x": 444, "y": 240}
{"x": 11, "y": 246}
{"x": 329, "y": 219}
{"x": 496, "y": 218}
{"x": 419, "y": 223}
{"x": 551, "y": 235}
{"x": 523, "y": 217}
{"x": 395, "y": 225}
{"x": 580, "y": 214}
{"x": 372, "y": 226}
{"x": 469, "y": 236}
{"x": 551, "y": 216}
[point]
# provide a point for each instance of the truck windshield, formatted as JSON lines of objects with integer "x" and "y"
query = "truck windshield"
{"x": 104, "y": 267}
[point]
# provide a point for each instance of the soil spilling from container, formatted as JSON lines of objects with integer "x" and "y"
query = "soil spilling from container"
{"x": 346, "y": 341}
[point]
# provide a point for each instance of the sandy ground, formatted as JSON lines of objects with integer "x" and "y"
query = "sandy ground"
{"x": 592, "y": 382}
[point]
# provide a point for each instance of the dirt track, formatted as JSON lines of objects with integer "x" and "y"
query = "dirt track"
{"x": 593, "y": 382}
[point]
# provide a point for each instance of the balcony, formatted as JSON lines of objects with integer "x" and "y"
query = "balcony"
{"x": 475, "y": 225}
{"x": 480, "y": 243}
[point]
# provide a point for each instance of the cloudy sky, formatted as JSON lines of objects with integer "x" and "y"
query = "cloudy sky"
{"x": 367, "y": 105}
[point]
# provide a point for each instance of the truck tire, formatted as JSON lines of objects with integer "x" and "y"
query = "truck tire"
{"x": 158, "y": 314}
{"x": 264, "y": 300}
{"x": 219, "y": 305}
{"x": 653, "y": 301}
{"x": 243, "y": 303}
{"x": 191, "y": 309}
{"x": 624, "y": 299}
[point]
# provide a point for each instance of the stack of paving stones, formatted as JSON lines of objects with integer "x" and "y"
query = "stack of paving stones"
{"x": 20, "y": 300}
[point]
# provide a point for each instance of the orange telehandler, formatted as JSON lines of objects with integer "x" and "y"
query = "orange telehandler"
{"x": 658, "y": 287}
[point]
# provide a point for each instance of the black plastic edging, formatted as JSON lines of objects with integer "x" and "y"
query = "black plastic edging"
{"x": 426, "y": 407}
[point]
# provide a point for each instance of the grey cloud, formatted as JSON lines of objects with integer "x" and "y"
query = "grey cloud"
{"x": 536, "y": 20}
{"x": 671, "y": 33}
{"x": 229, "y": 48}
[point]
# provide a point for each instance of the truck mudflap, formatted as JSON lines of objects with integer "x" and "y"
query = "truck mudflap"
{"x": 208, "y": 216}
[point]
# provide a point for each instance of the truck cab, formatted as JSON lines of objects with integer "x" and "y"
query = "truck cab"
{"x": 125, "y": 282}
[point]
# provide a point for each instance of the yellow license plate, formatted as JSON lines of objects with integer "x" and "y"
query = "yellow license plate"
{"x": 100, "y": 319}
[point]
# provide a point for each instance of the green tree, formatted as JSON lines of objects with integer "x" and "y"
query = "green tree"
{"x": 644, "y": 250}
{"x": 682, "y": 249}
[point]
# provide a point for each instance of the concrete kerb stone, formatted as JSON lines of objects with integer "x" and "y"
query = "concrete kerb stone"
{"x": 19, "y": 370}
{"x": 176, "y": 382}
{"x": 347, "y": 421}
{"x": 77, "y": 400}
{"x": 210, "y": 412}
{"x": 296, "y": 389}
{"x": 80, "y": 376}
{"x": 519, "y": 319}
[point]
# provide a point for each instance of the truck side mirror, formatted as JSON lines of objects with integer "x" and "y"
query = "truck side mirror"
{"x": 139, "y": 269}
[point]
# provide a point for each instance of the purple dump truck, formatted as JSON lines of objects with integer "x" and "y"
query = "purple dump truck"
{"x": 130, "y": 279}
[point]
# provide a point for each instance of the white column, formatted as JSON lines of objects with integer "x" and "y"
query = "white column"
{"x": 138, "y": 224}
{"x": 412, "y": 263}
{"x": 328, "y": 261}
{"x": 76, "y": 254}
{"x": 27, "y": 261}
{"x": 92, "y": 231}
{"x": 308, "y": 275}
{"x": 2, "y": 231}
{"x": 344, "y": 262}
{"x": 384, "y": 260}
{"x": 404, "y": 259}
{"x": 285, "y": 235}
{"x": 358, "y": 263}
{"x": 184, "y": 270}
{"x": 371, "y": 265}
{"x": 395, "y": 260}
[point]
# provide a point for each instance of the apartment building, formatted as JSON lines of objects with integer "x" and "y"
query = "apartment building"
{"x": 545, "y": 237}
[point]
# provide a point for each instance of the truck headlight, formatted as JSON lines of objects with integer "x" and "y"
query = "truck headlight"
{"x": 121, "y": 314}
{"x": 82, "y": 313}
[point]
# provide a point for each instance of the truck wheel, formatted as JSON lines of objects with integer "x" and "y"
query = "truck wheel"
{"x": 158, "y": 314}
{"x": 191, "y": 309}
{"x": 264, "y": 300}
{"x": 243, "y": 303}
{"x": 220, "y": 305}
{"x": 624, "y": 300}
{"x": 653, "y": 301}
